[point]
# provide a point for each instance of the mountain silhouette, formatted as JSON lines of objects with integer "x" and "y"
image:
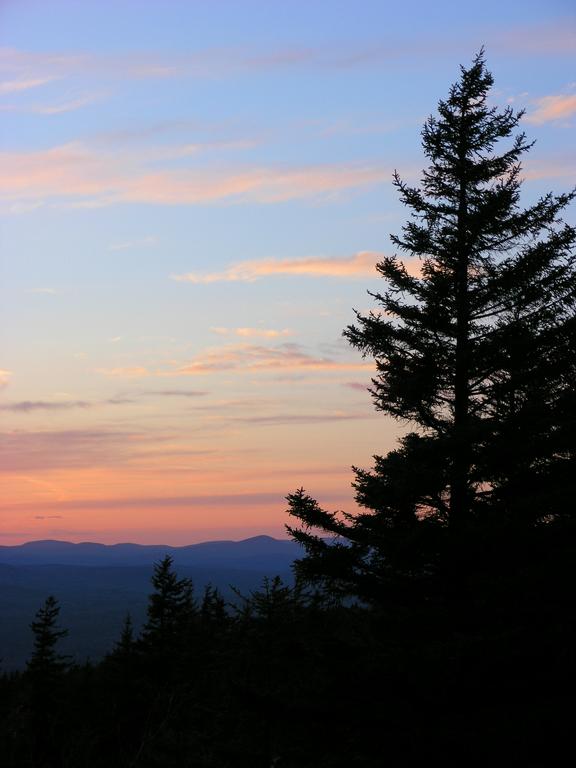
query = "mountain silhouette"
{"x": 255, "y": 552}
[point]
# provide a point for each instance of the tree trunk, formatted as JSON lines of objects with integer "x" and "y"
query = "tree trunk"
{"x": 459, "y": 485}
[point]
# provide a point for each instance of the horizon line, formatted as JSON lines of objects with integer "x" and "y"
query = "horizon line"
{"x": 135, "y": 544}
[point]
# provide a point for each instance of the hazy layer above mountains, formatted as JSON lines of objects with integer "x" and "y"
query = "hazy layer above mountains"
{"x": 97, "y": 584}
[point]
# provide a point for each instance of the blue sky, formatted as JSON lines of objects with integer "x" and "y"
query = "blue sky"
{"x": 194, "y": 195}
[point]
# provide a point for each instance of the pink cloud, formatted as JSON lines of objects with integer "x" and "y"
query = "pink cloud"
{"x": 66, "y": 105}
{"x": 174, "y": 393}
{"x": 29, "y": 406}
{"x": 244, "y": 358}
{"x": 32, "y": 406}
{"x": 361, "y": 265}
{"x": 551, "y": 168}
{"x": 253, "y": 358}
{"x": 128, "y": 372}
{"x": 300, "y": 418}
{"x": 259, "y": 185}
{"x": 45, "y": 450}
{"x": 557, "y": 37}
{"x": 265, "y": 333}
{"x": 76, "y": 175}
{"x": 356, "y": 385}
{"x": 16, "y": 86}
{"x": 25, "y": 64}
{"x": 551, "y": 108}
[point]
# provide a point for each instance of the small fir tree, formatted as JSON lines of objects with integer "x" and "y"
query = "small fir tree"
{"x": 126, "y": 645}
{"x": 171, "y": 607}
{"x": 213, "y": 608}
{"x": 45, "y": 661}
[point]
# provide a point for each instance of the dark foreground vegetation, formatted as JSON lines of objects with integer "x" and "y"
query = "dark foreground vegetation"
{"x": 292, "y": 679}
{"x": 436, "y": 626}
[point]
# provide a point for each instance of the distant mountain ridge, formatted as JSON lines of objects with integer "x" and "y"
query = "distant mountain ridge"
{"x": 96, "y": 584}
{"x": 257, "y": 552}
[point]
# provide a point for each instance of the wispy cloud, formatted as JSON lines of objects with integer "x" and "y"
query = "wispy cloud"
{"x": 73, "y": 174}
{"x": 358, "y": 386}
{"x": 361, "y": 265}
{"x": 23, "y": 451}
{"x": 126, "y": 372}
{"x": 67, "y": 104}
{"x": 265, "y": 333}
{"x": 550, "y": 168}
{"x": 47, "y": 291}
{"x": 146, "y": 502}
{"x": 31, "y": 406}
{"x": 59, "y": 107}
{"x": 244, "y": 358}
{"x": 26, "y": 64}
{"x": 5, "y": 377}
{"x": 279, "y": 419}
{"x": 254, "y": 358}
{"x": 28, "y": 406}
{"x": 24, "y": 206}
{"x": 175, "y": 393}
{"x": 16, "y": 86}
{"x": 553, "y": 108}
{"x": 557, "y": 37}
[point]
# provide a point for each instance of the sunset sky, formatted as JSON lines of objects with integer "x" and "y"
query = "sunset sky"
{"x": 193, "y": 196}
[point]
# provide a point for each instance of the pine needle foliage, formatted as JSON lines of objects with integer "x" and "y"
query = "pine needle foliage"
{"x": 474, "y": 344}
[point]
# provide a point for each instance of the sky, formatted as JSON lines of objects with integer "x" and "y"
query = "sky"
{"x": 193, "y": 197}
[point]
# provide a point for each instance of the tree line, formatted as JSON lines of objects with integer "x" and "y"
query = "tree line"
{"x": 437, "y": 622}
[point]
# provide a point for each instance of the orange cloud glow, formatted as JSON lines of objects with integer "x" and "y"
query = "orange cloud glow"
{"x": 265, "y": 333}
{"x": 74, "y": 174}
{"x": 5, "y": 376}
{"x": 550, "y": 108}
{"x": 117, "y": 485}
{"x": 129, "y": 372}
{"x": 362, "y": 264}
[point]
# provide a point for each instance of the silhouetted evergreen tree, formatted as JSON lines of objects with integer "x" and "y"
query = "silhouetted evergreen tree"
{"x": 45, "y": 661}
{"x": 45, "y": 697}
{"x": 171, "y": 607}
{"x": 474, "y": 346}
{"x": 127, "y": 647}
{"x": 213, "y": 606}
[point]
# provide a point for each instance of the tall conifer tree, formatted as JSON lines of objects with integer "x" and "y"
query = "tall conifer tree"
{"x": 474, "y": 346}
